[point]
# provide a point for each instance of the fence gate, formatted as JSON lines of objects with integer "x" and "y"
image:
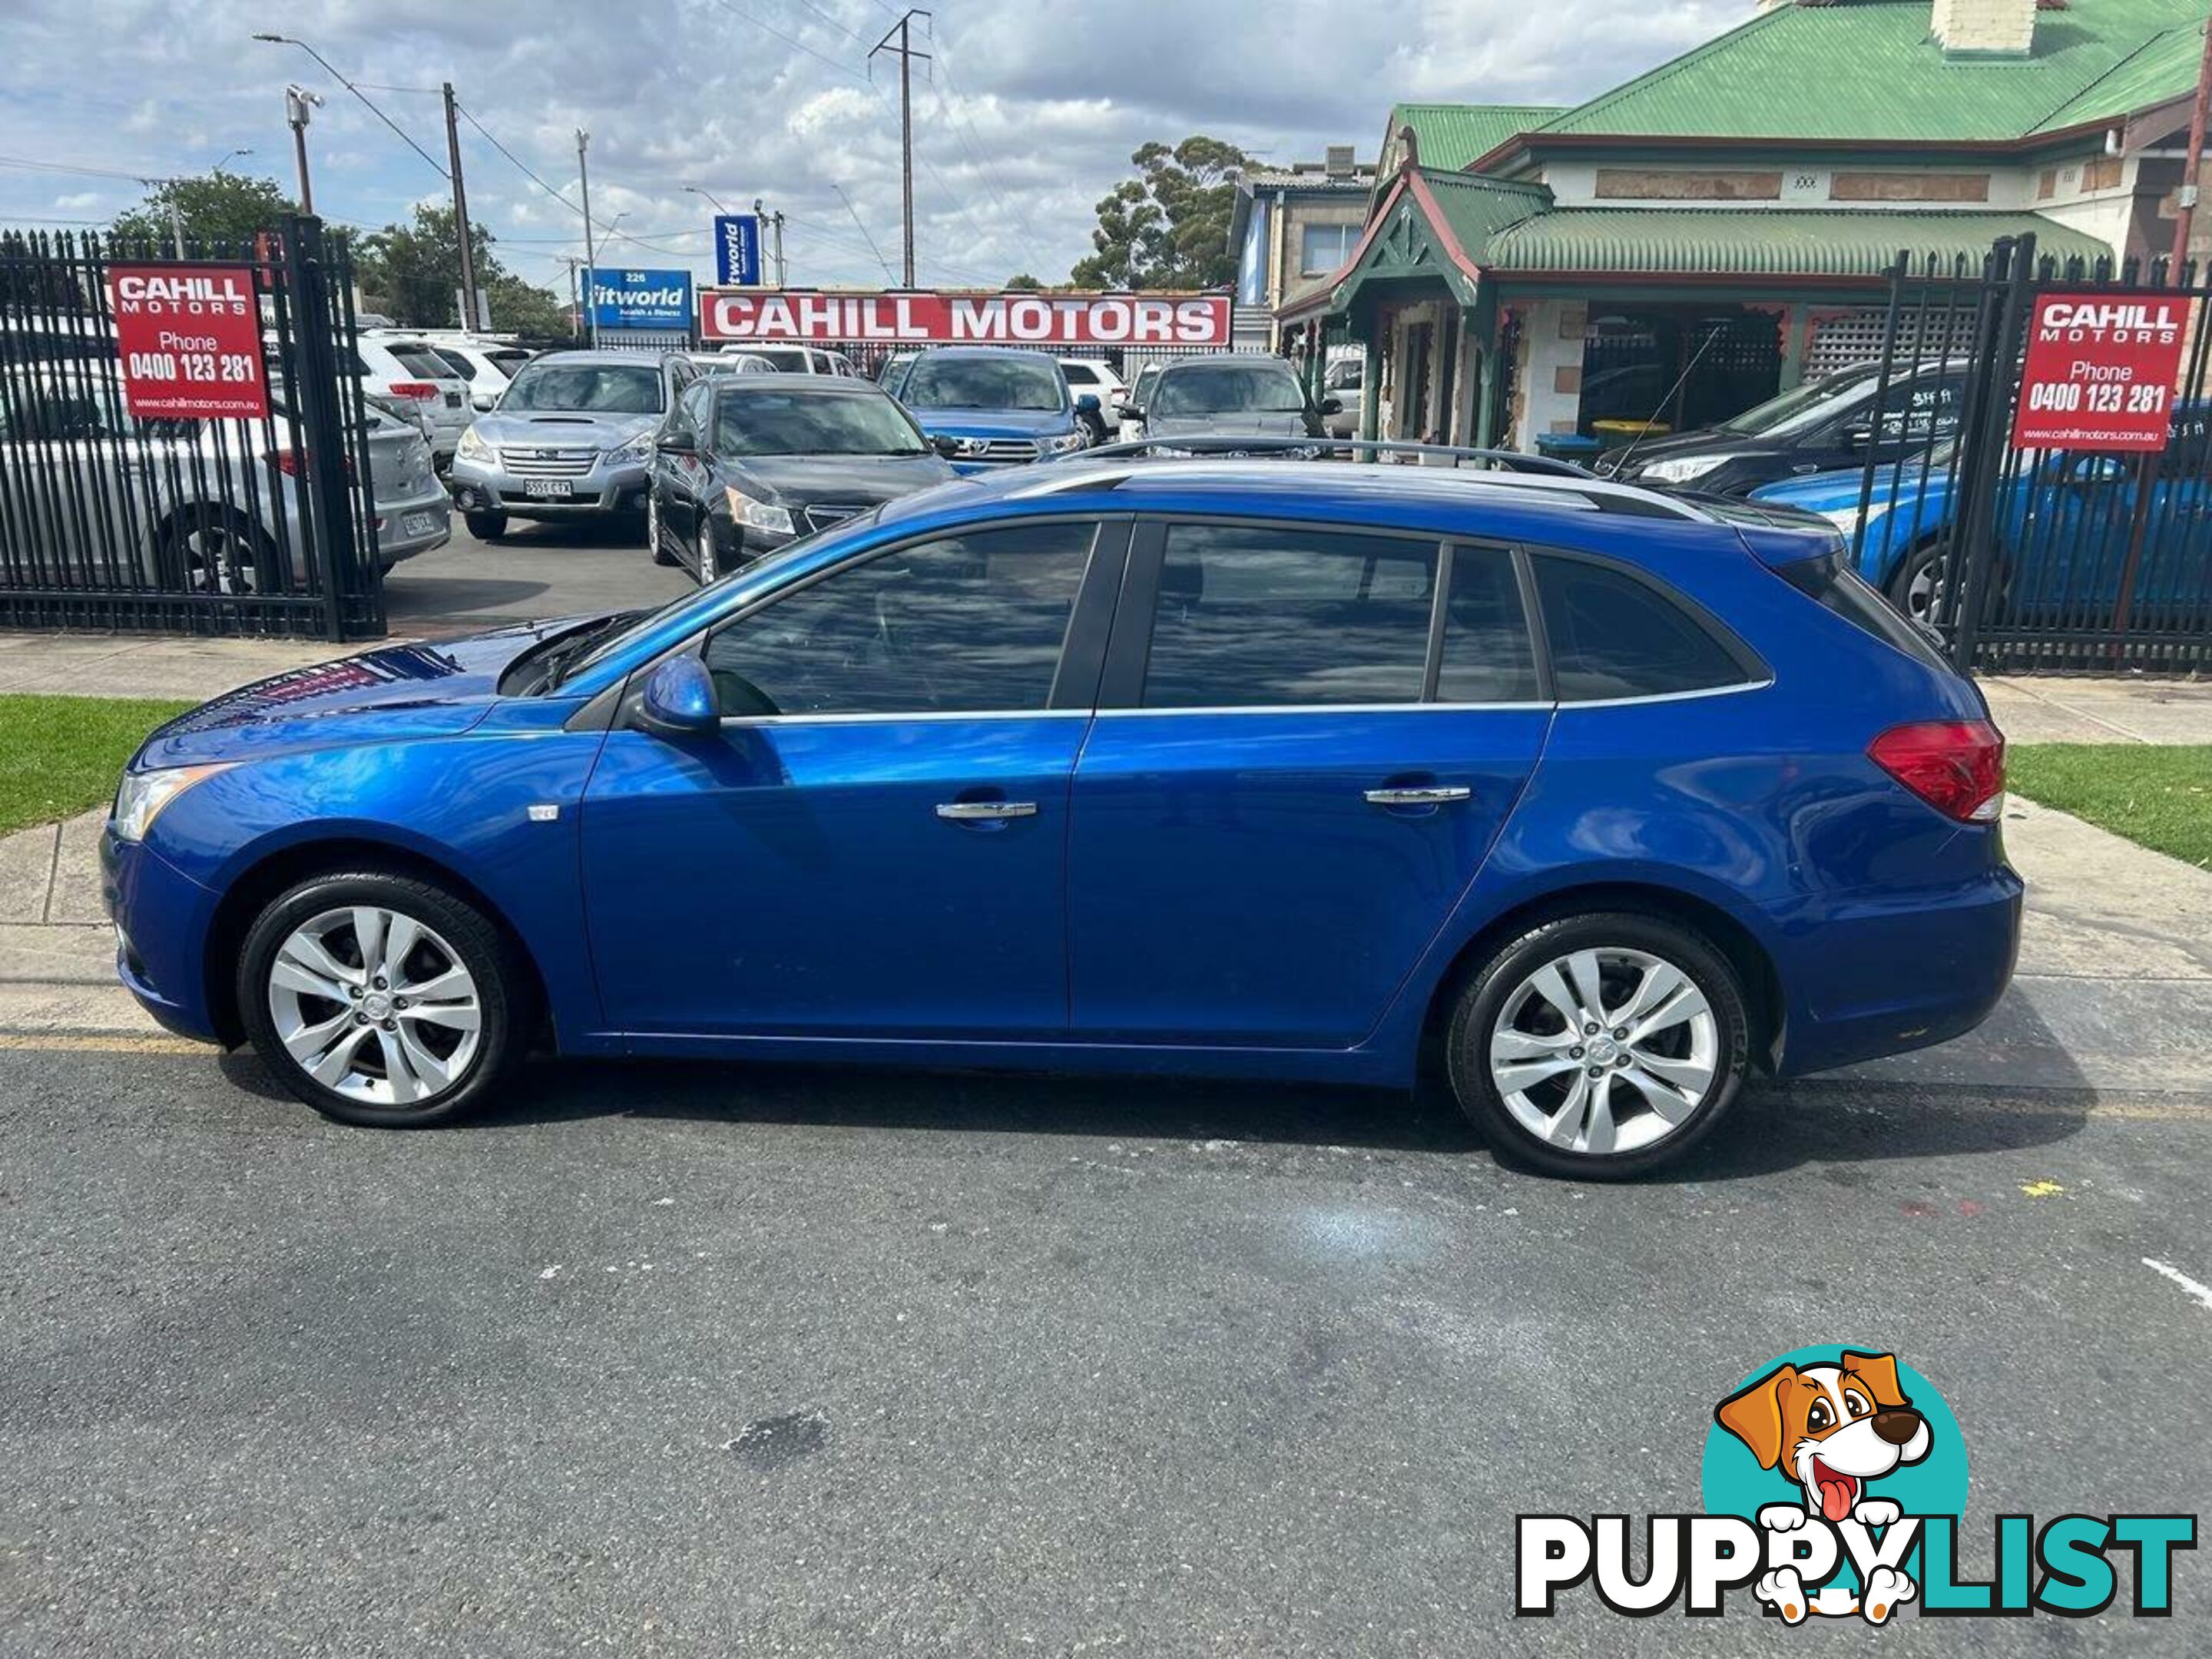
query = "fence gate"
{"x": 2074, "y": 535}
{"x": 212, "y": 509}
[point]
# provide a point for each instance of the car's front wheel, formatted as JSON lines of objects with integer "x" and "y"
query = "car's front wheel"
{"x": 705, "y": 552}
{"x": 1600, "y": 1046}
{"x": 485, "y": 526}
{"x": 661, "y": 554}
{"x": 1918, "y": 587}
{"x": 380, "y": 999}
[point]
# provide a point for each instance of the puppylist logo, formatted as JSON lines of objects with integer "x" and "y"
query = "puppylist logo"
{"x": 1834, "y": 1480}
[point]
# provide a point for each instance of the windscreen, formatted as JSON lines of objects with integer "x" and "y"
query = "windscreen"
{"x": 586, "y": 388}
{"x": 982, "y": 383}
{"x": 763, "y": 420}
{"x": 1267, "y": 388}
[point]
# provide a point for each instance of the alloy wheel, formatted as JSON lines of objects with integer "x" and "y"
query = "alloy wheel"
{"x": 1605, "y": 1051}
{"x": 653, "y": 521}
{"x": 217, "y": 560}
{"x": 1923, "y": 589}
{"x": 706, "y": 551}
{"x": 375, "y": 1005}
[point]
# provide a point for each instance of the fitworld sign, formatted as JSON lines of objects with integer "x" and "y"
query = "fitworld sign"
{"x": 1017, "y": 319}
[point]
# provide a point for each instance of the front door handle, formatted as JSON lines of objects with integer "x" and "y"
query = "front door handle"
{"x": 1431, "y": 795}
{"x": 967, "y": 811}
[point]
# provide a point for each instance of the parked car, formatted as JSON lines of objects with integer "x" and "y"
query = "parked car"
{"x": 489, "y": 367}
{"x": 1342, "y": 381}
{"x": 798, "y": 359}
{"x": 403, "y": 368}
{"x": 1089, "y": 374}
{"x": 730, "y": 362}
{"x": 891, "y": 373}
{"x": 1813, "y": 427}
{"x": 1222, "y": 768}
{"x": 1241, "y": 395}
{"x": 2065, "y": 522}
{"x": 989, "y": 406}
{"x": 746, "y": 465}
{"x": 572, "y": 438}
{"x": 210, "y": 507}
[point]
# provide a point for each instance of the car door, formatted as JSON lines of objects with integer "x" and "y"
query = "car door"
{"x": 875, "y": 843}
{"x": 1306, "y": 740}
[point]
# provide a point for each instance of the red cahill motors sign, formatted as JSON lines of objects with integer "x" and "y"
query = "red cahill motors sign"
{"x": 1016, "y": 319}
{"x": 188, "y": 340}
{"x": 2099, "y": 372}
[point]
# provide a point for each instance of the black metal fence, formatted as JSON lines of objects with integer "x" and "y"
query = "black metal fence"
{"x": 2041, "y": 559}
{"x": 230, "y": 525}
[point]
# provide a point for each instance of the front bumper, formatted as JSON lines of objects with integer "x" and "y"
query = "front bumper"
{"x": 161, "y": 919}
{"x": 479, "y": 486}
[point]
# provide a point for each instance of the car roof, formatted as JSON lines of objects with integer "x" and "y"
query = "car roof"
{"x": 1226, "y": 360}
{"x": 989, "y": 351}
{"x": 641, "y": 359}
{"x": 794, "y": 385}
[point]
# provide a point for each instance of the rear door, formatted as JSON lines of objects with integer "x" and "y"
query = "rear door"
{"x": 1308, "y": 739}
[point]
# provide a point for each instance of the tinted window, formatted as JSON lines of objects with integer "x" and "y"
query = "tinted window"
{"x": 1916, "y": 410}
{"x": 764, "y": 418}
{"x": 597, "y": 388}
{"x": 458, "y": 364}
{"x": 1263, "y": 617}
{"x": 968, "y": 624}
{"x": 1079, "y": 374}
{"x": 1268, "y": 386}
{"x": 421, "y": 361}
{"x": 1008, "y": 382}
{"x": 1612, "y": 636}
{"x": 1487, "y": 656}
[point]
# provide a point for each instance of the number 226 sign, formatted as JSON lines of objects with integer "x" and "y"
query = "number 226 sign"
{"x": 188, "y": 342}
{"x": 2099, "y": 372}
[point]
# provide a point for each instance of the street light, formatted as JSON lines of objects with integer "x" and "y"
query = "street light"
{"x": 709, "y": 195}
{"x": 227, "y": 158}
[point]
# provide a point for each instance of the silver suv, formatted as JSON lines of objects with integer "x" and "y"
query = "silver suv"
{"x": 572, "y": 437}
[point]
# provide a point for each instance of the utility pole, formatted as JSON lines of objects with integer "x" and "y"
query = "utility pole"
{"x": 299, "y": 104}
{"x": 468, "y": 312}
{"x": 576, "y": 316}
{"x": 761, "y": 213}
{"x": 2186, "y": 213}
{"x": 906, "y": 54}
{"x": 591, "y": 254}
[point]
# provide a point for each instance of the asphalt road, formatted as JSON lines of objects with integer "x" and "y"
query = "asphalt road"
{"x": 535, "y": 570}
{"x": 813, "y": 1362}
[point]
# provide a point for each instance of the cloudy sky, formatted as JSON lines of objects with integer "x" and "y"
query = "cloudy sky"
{"x": 1029, "y": 116}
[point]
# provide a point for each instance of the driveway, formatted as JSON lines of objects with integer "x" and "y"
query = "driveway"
{"x": 534, "y": 570}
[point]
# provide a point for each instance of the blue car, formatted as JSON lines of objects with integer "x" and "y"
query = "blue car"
{"x": 1257, "y": 769}
{"x": 986, "y": 407}
{"x": 2065, "y": 522}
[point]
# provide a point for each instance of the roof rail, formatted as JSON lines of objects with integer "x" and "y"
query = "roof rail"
{"x": 1507, "y": 468}
{"x": 1227, "y": 444}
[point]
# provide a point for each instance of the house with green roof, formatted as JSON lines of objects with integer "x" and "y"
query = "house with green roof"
{"x": 1687, "y": 244}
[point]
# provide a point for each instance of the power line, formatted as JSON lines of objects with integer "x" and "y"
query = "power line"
{"x": 29, "y": 166}
{"x": 828, "y": 18}
{"x": 841, "y": 68}
{"x": 367, "y": 103}
{"x": 468, "y": 116}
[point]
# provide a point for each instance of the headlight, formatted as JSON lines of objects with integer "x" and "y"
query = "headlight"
{"x": 759, "y": 515}
{"x": 1846, "y": 519}
{"x": 142, "y": 795}
{"x": 637, "y": 449}
{"x": 1682, "y": 469}
{"x": 471, "y": 447}
{"x": 1064, "y": 443}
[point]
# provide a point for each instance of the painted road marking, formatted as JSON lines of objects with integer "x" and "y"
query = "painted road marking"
{"x": 2202, "y": 1292}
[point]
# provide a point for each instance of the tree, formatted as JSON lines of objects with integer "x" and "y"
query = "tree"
{"x": 411, "y": 272}
{"x": 1169, "y": 225}
{"x": 216, "y": 207}
{"x": 1022, "y": 282}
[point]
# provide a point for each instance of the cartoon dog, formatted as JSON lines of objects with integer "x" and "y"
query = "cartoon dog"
{"x": 1832, "y": 1429}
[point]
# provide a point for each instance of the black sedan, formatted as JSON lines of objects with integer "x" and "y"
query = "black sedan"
{"x": 745, "y": 465}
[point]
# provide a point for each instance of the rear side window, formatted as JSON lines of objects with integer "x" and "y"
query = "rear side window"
{"x": 1486, "y": 655}
{"x": 1282, "y": 617}
{"x": 1831, "y": 582}
{"x": 423, "y": 361}
{"x": 1614, "y": 635}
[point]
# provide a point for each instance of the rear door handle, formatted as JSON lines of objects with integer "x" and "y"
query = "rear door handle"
{"x": 1421, "y": 795}
{"x": 963, "y": 812}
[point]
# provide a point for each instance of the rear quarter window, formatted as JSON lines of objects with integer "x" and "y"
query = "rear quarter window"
{"x": 1616, "y": 636}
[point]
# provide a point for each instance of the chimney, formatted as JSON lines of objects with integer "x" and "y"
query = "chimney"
{"x": 1337, "y": 159}
{"x": 1983, "y": 28}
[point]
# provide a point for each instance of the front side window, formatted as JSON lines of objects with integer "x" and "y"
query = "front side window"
{"x": 942, "y": 382}
{"x": 1282, "y": 617}
{"x": 588, "y": 388}
{"x": 1612, "y": 636}
{"x": 965, "y": 624}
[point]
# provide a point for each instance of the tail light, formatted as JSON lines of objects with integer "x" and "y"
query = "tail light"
{"x": 421, "y": 391}
{"x": 287, "y": 461}
{"x": 1956, "y": 766}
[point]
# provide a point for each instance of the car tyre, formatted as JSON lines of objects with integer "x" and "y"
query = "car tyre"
{"x": 485, "y": 526}
{"x": 1916, "y": 588}
{"x": 653, "y": 533}
{"x": 1593, "y": 1104}
{"x": 373, "y": 1025}
{"x": 703, "y": 552}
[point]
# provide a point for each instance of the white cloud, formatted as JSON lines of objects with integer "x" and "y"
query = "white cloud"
{"x": 1025, "y": 117}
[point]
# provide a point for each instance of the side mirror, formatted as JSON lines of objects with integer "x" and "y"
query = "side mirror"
{"x": 1129, "y": 412}
{"x": 483, "y": 402}
{"x": 1332, "y": 405}
{"x": 1857, "y": 437}
{"x": 1087, "y": 404}
{"x": 680, "y": 701}
{"x": 948, "y": 447}
{"x": 676, "y": 444}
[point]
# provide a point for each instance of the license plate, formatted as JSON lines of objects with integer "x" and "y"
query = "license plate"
{"x": 561, "y": 488}
{"x": 418, "y": 524}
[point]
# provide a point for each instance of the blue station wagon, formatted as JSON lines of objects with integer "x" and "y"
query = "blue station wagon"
{"x": 1254, "y": 768}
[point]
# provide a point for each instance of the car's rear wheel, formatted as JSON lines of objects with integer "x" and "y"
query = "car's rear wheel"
{"x": 1918, "y": 588}
{"x": 653, "y": 533}
{"x": 1600, "y": 1046}
{"x": 485, "y": 526}
{"x": 380, "y": 999}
